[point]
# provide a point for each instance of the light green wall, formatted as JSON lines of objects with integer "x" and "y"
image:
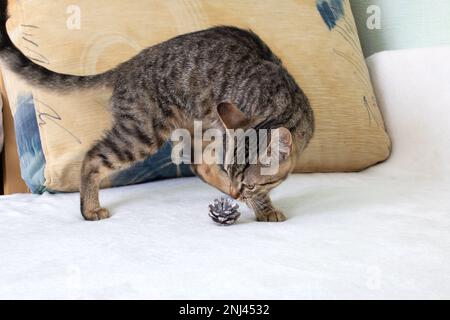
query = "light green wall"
{"x": 404, "y": 24}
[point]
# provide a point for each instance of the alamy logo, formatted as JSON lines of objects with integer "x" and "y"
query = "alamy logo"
{"x": 211, "y": 146}
{"x": 374, "y": 20}
{"x": 73, "y": 22}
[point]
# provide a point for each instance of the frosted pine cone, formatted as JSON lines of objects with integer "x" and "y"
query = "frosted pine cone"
{"x": 224, "y": 211}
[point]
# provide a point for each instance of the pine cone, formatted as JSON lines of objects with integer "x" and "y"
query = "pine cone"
{"x": 224, "y": 211}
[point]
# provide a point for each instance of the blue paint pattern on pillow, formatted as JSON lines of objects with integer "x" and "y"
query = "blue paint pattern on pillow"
{"x": 31, "y": 156}
{"x": 331, "y": 11}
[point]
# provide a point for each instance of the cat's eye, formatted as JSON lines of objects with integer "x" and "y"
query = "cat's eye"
{"x": 250, "y": 186}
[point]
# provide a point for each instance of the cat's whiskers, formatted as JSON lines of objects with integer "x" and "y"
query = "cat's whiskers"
{"x": 255, "y": 203}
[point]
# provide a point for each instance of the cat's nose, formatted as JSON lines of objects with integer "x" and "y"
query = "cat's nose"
{"x": 234, "y": 194}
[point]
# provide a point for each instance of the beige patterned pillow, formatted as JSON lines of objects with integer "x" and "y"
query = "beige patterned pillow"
{"x": 317, "y": 40}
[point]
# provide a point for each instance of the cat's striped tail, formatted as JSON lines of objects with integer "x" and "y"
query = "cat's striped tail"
{"x": 37, "y": 75}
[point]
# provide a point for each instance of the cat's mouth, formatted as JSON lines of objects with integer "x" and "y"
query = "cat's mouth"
{"x": 242, "y": 197}
{"x": 245, "y": 198}
{"x": 239, "y": 197}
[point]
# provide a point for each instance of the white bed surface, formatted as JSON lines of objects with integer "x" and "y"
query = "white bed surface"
{"x": 382, "y": 233}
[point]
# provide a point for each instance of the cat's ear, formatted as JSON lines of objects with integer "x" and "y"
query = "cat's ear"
{"x": 233, "y": 118}
{"x": 283, "y": 143}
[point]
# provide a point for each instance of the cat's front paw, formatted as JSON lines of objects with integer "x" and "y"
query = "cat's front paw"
{"x": 98, "y": 214}
{"x": 271, "y": 216}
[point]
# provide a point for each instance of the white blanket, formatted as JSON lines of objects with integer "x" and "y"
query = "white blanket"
{"x": 382, "y": 233}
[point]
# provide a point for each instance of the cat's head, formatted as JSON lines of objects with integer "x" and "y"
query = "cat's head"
{"x": 251, "y": 180}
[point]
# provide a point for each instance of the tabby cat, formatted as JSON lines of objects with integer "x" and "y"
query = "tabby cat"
{"x": 224, "y": 76}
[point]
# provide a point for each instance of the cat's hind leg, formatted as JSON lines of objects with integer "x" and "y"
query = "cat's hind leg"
{"x": 123, "y": 145}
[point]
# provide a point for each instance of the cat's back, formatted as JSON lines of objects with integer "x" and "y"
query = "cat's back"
{"x": 204, "y": 55}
